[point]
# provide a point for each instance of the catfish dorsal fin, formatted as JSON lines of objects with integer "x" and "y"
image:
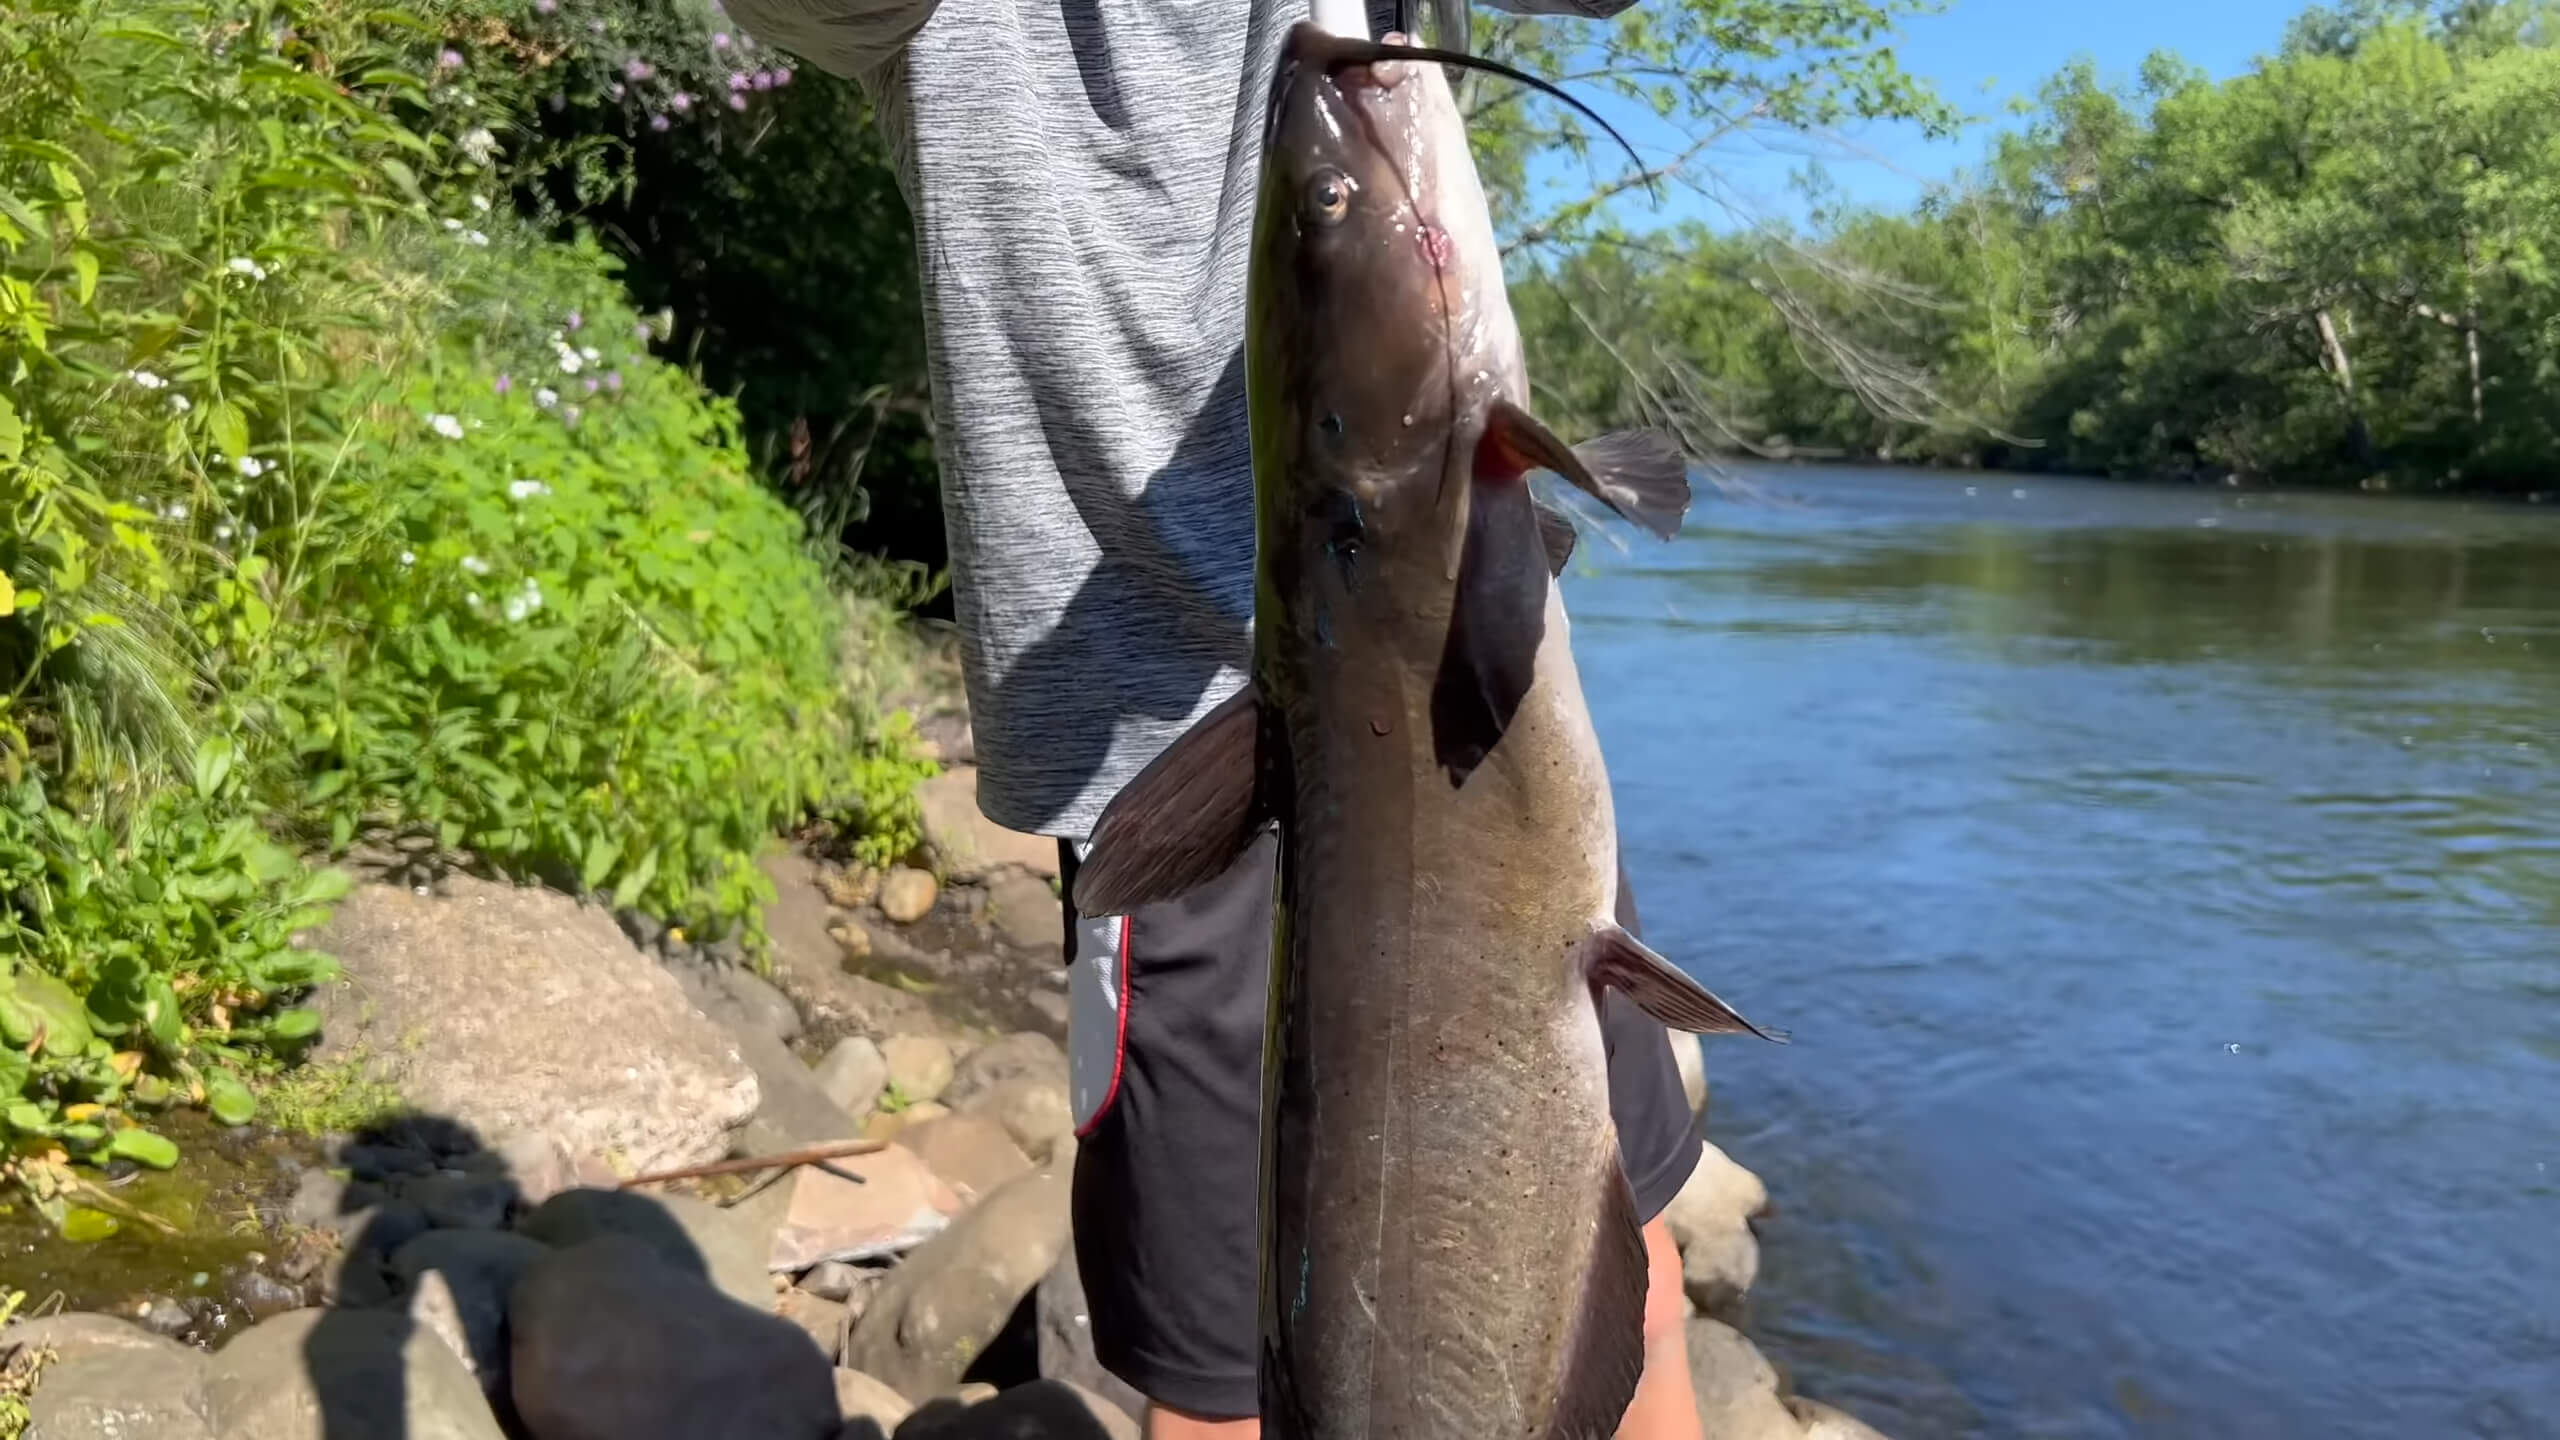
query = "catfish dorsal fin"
{"x": 1626, "y": 964}
{"x": 1640, "y": 474}
{"x": 1183, "y": 820}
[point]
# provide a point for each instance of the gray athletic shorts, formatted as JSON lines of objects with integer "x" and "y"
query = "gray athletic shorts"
{"x": 1165, "y": 1060}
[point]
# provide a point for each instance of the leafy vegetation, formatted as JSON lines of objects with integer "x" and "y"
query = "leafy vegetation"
{"x": 2335, "y": 269}
{"x": 344, "y": 505}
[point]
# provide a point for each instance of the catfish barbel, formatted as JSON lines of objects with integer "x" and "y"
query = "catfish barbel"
{"x": 1450, "y": 1249}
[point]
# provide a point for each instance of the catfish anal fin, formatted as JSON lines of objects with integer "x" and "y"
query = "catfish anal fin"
{"x": 1183, "y": 819}
{"x": 1626, "y": 964}
{"x": 1604, "y": 1351}
{"x": 1497, "y": 619}
{"x": 1641, "y": 474}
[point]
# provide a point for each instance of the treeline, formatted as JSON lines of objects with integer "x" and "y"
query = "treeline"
{"x": 2336, "y": 269}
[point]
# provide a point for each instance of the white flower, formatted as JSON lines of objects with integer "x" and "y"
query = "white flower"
{"x": 452, "y": 224}
{"x": 478, "y": 143}
{"x": 243, "y": 265}
{"x": 480, "y": 203}
{"x": 473, "y": 598}
{"x": 222, "y": 532}
{"x": 177, "y": 510}
{"x": 181, "y": 404}
{"x": 475, "y": 564}
{"x": 249, "y": 466}
{"x": 524, "y": 602}
{"x": 446, "y": 426}
{"x": 569, "y": 361}
{"x": 588, "y": 353}
{"x": 526, "y": 489}
{"x": 546, "y": 397}
{"x": 476, "y": 238}
{"x": 145, "y": 379}
{"x": 408, "y": 557}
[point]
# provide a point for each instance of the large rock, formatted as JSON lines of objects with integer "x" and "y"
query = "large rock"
{"x": 1034, "y": 1112}
{"x": 893, "y": 1203}
{"x": 1826, "y": 1422}
{"x": 1025, "y": 911}
{"x": 795, "y": 1110}
{"x": 608, "y": 1342}
{"x": 722, "y": 1247}
{"x": 952, "y": 1296}
{"x": 458, "y": 1282}
{"x": 1737, "y": 1388}
{"x": 819, "y": 1318}
{"x": 971, "y": 1152}
{"x": 970, "y": 844}
{"x": 345, "y": 1375}
{"x": 110, "y": 1380}
{"x": 1692, "y": 1059}
{"x": 1040, "y": 1410}
{"x": 1022, "y": 1055}
{"x": 860, "y": 1397}
{"x": 1065, "y": 1331}
{"x": 852, "y": 1075}
{"x": 919, "y": 1066}
{"x": 1711, "y": 1221}
{"x": 513, "y": 1010}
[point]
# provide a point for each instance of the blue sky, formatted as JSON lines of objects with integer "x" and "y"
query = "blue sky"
{"x": 2012, "y": 44}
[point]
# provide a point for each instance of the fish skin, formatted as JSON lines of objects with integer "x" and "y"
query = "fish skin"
{"x": 1450, "y": 1248}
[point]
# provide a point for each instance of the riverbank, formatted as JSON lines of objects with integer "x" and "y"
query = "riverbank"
{"x": 472, "y": 1259}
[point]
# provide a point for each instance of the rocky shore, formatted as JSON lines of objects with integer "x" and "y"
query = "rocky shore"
{"x": 475, "y": 1264}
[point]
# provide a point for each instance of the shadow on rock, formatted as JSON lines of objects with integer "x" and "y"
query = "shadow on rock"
{"x": 1040, "y": 1410}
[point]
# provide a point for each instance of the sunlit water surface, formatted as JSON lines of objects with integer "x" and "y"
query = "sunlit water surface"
{"x": 2163, "y": 888}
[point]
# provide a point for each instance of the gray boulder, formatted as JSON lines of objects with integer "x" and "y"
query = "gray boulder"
{"x": 344, "y": 1375}
{"x": 513, "y": 1010}
{"x": 723, "y": 1247}
{"x": 110, "y": 1380}
{"x": 939, "y": 1309}
{"x": 609, "y": 1342}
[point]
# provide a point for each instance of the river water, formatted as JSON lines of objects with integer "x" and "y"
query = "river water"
{"x": 2163, "y": 888}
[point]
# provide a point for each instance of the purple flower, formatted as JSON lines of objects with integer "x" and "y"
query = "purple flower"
{"x": 505, "y": 384}
{"x": 637, "y": 70}
{"x": 763, "y": 80}
{"x": 449, "y": 60}
{"x": 641, "y": 330}
{"x": 545, "y": 7}
{"x": 591, "y": 384}
{"x": 681, "y": 101}
{"x": 782, "y": 76}
{"x": 738, "y": 81}
{"x": 720, "y": 40}
{"x": 738, "y": 103}
{"x": 575, "y": 320}
{"x": 657, "y": 122}
{"x": 613, "y": 381}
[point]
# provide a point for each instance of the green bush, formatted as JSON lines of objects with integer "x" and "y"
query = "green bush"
{"x": 339, "y": 501}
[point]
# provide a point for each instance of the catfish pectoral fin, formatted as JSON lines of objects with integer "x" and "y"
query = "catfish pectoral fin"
{"x": 1184, "y": 819}
{"x": 1641, "y": 474}
{"x": 1556, "y": 533}
{"x": 1621, "y": 961}
{"x": 1604, "y": 1351}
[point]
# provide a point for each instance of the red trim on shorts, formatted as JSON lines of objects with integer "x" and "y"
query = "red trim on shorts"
{"x": 1120, "y": 1039}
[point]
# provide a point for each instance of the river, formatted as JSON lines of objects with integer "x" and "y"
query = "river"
{"x": 2162, "y": 885}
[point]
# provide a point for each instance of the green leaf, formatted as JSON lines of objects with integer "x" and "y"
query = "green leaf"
{"x": 602, "y": 851}
{"x": 13, "y": 435}
{"x": 227, "y": 428}
{"x": 323, "y": 887}
{"x": 15, "y": 1071}
{"x": 144, "y": 1148}
{"x": 229, "y": 1101}
{"x": 636, "y": 880}
{"x": 54, "y": 1012}
{"x": 84, "y": 264}
{"x": 296, "y": 1024}
{"x": 403, "y": 177}
{"x": 163, "y": 1016}
{"x": 214, "y": 758}
{"x": 27, "y": 1118}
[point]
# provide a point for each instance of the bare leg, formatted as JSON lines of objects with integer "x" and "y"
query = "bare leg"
{"x": 1163, "y": 1424}
{"x": 1666, "y": 1401}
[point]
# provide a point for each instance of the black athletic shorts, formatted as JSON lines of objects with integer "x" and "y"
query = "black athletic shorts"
{"x": 1165, "y": 1045}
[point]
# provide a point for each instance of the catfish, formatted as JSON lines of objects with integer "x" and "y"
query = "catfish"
{"x": 1449, "y": 1244}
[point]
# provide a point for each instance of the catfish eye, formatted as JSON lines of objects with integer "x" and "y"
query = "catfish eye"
{"x": 1328, "y": 196}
